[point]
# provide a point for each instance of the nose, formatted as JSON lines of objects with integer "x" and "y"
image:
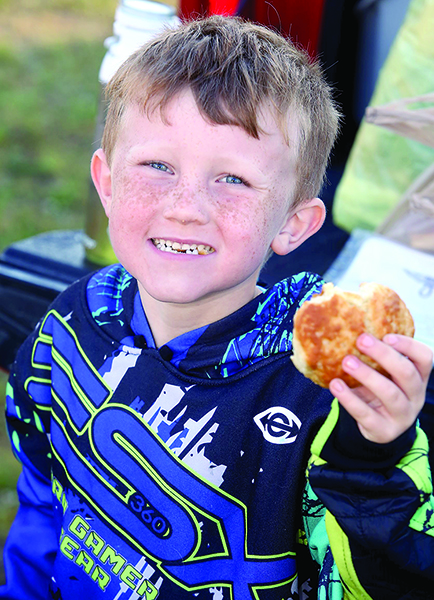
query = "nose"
{"x": 187, "y": 204}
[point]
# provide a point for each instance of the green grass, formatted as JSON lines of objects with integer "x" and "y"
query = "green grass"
{"x": 9, "y": 466}
{"x": 48, "y": 102}
{"x": 80, "y": 7}
{"x": 50, "y": 54}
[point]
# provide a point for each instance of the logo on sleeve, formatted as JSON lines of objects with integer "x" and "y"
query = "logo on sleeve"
{"x": 278, "y": 425}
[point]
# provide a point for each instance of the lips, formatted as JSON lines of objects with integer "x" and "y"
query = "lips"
{"x": 181, "y": 248}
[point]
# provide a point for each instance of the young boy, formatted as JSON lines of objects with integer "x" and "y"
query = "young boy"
{"x": 163, "y": 430}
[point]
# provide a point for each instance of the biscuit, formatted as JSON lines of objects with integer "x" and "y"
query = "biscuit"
{"x": 327, "y": 326}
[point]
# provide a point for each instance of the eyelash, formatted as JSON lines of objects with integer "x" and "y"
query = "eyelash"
{"x": 241, "y": 181}
{"x": 155, "y": 164}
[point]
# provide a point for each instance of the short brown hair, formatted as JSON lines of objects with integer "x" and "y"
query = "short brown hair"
{"x": 233, "y": 68}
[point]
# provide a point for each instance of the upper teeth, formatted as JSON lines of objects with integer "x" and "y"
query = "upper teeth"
{"x": 169, "y": 246}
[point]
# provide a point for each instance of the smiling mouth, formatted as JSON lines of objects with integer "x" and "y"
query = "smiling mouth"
{"x": 178, "y": 248}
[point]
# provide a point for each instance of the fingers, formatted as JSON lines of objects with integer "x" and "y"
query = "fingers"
{"x": 403, "y": 372}
{"x": 420, "y": 354}
{"x": 357, "y": 404}
{"x": 384, "y": 408}
{"x": 380, "y": 421}
{"x": 407, "y": 361}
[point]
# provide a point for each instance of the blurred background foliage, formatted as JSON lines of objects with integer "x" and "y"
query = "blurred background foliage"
{"x": 50, "y": 54}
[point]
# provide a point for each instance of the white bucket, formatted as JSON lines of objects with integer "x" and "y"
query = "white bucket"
{"x": 136, "y": 22}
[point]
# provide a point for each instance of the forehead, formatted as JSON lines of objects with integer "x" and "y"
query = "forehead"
{"x": 272, "y": 125}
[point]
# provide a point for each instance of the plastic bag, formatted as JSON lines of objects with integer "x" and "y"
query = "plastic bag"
{"x": 412, "y": 221}
{"x": 415, "y": 123}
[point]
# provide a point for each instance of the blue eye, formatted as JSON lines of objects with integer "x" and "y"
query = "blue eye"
{"x": 158, "y": 166}
{"x": 232, "y": 179}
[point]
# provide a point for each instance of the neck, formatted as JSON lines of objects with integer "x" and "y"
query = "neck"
{"x": 169, "y": 320}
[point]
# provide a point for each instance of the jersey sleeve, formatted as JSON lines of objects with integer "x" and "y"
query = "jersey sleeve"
{"x": 380, "y": 509}
{"x": 32, "y": 541}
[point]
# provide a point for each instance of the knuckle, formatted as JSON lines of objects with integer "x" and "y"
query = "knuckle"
{"x": 407, "y": 368}
{"x": 395, "y": 394}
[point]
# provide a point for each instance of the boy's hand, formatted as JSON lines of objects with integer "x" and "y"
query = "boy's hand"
{"x": 385, "y": 408}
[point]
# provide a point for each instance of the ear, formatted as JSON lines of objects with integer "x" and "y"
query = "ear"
{"x": 101, "y": 177}
{"x": 299, "y": 225}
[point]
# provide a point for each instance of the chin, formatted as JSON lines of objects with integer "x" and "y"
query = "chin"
{"x": 175, "y": 295}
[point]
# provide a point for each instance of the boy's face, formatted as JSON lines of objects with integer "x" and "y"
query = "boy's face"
{"x": 195, "y": 184}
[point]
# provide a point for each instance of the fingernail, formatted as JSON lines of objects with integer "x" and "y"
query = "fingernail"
{"x": 351, "y": 362}
{"x": 366, "y": 340}
{"x": 336, "y": 385}
{"x": 390, "y": 339}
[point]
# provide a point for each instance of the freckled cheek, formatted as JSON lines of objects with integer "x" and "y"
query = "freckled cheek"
{"x": 132, "y": 204}
{"x": 251, "y": 224}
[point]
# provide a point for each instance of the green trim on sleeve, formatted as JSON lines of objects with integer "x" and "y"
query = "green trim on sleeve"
{"x": 423, "y": 518}
{"x": 353, "y": 589}
{"x": 415, "y": 463}
{"x": 416, "y": 466}
{"x": 326, "y": 429}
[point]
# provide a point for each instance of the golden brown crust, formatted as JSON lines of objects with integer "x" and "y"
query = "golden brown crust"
{"x": 327, "y": 326}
